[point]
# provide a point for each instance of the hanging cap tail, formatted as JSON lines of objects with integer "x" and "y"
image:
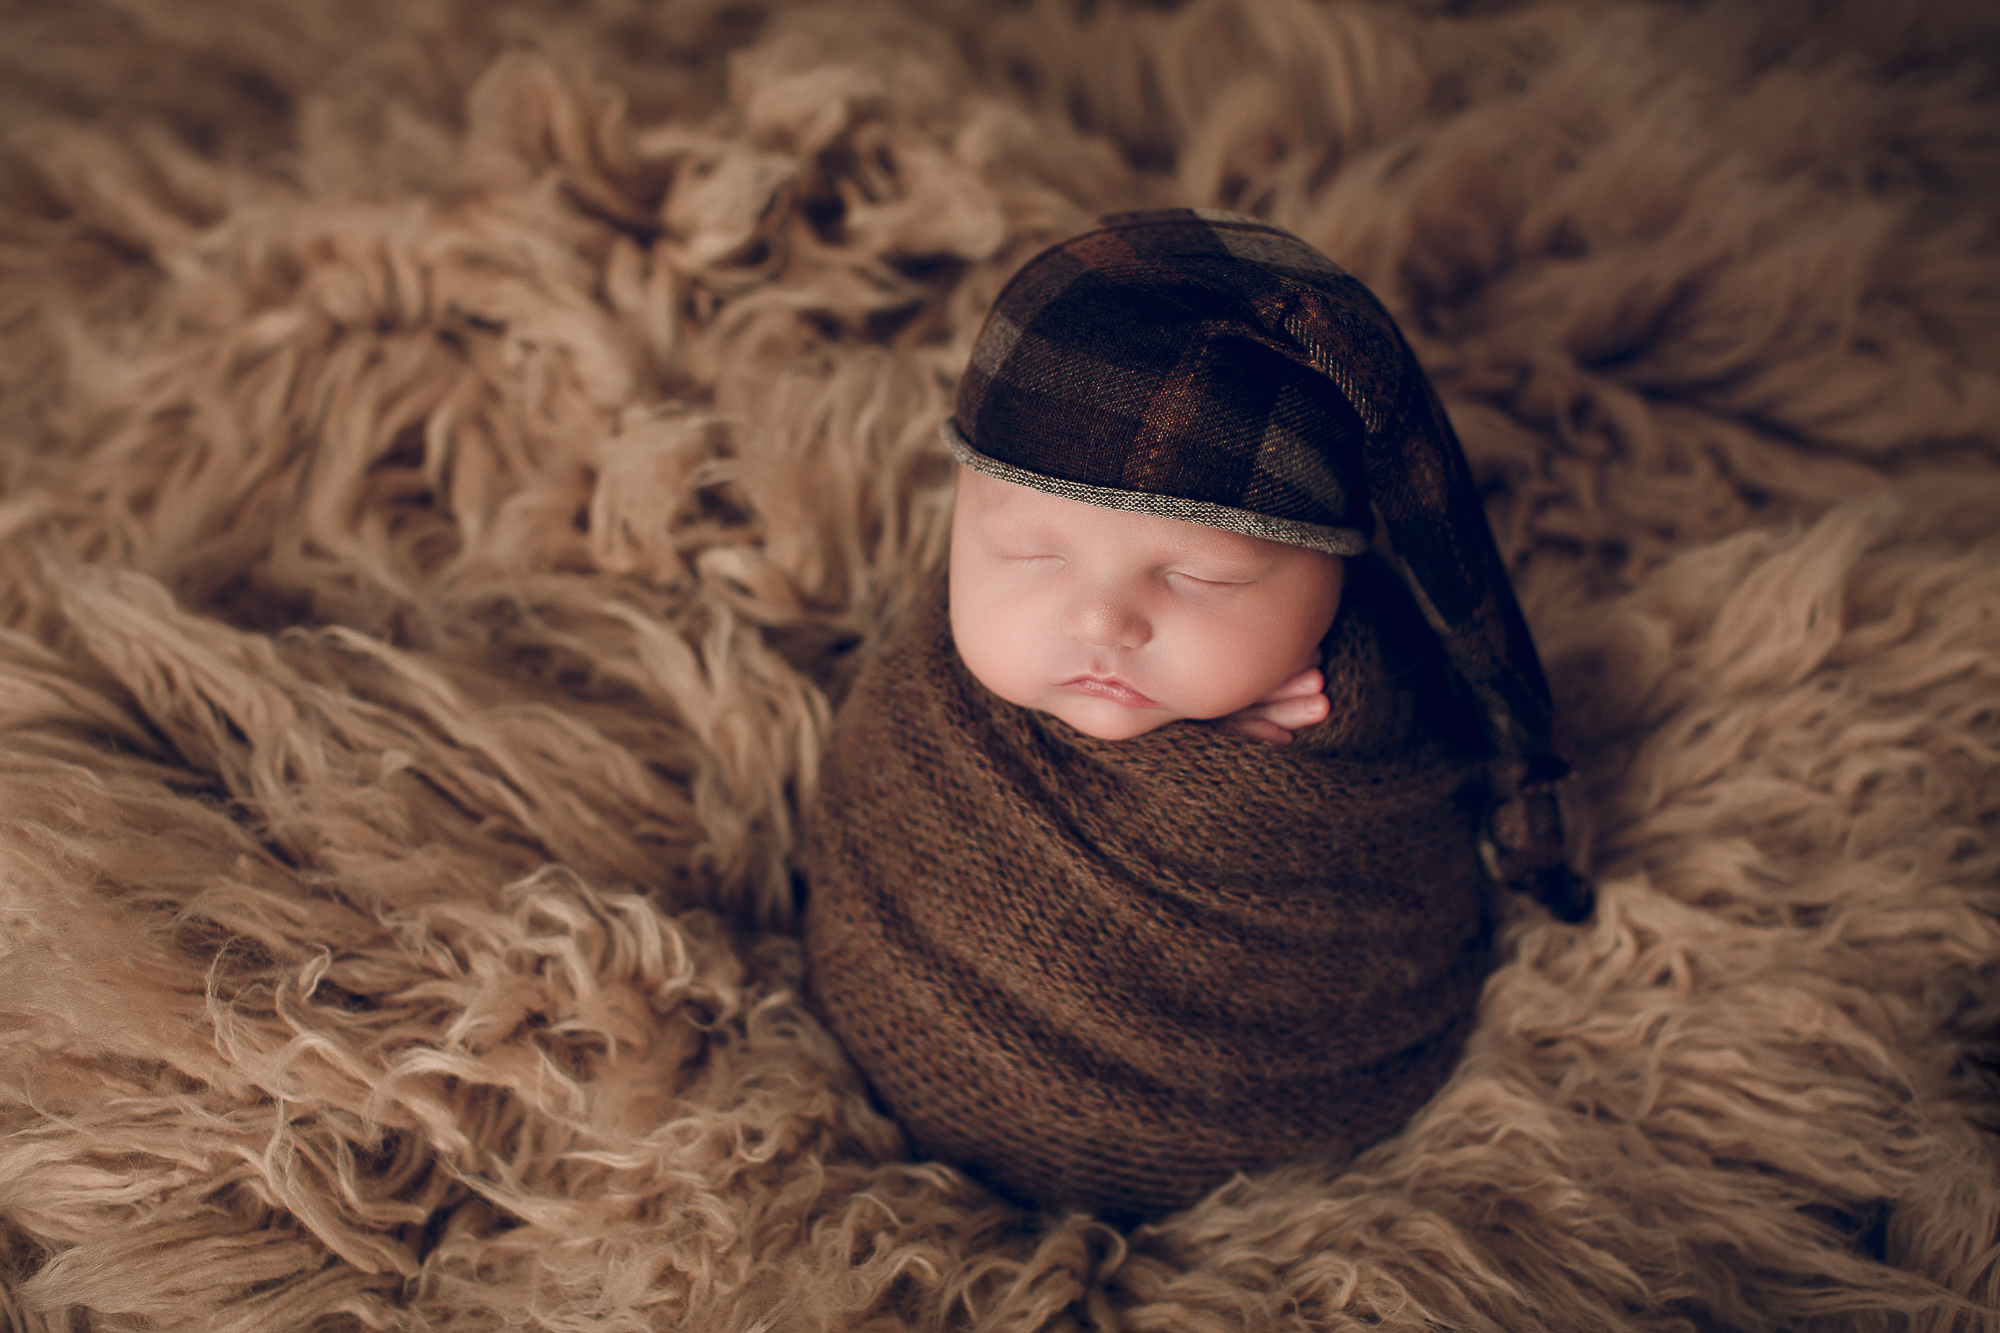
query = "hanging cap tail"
{"x": 1526, "y": 851}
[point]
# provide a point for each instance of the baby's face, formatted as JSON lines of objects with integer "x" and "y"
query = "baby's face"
{"x": 1119, "y": 622}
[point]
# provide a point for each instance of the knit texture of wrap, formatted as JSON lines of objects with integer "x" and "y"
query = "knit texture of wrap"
{"x": 1108, "y": 974}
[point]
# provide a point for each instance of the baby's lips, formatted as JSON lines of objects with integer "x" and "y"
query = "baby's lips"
{"x": 1111, "y": 688}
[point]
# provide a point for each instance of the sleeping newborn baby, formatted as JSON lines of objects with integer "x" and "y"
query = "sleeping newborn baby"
{"x": 1155, "y": 844}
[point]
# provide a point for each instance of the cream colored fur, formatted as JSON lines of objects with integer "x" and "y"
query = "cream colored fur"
{"x": 451, "y": 453}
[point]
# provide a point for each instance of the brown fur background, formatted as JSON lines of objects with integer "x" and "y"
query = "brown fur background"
{"x": 451, "y": 452}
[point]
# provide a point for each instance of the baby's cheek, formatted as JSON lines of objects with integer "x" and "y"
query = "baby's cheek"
{"x": 1239, "y": 662}
{"x": 988, "y": 645}
{"x": 1204, "y": 680}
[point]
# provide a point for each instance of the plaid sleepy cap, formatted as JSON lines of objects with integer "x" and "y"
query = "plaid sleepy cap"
{"x": 1213, "y": 368}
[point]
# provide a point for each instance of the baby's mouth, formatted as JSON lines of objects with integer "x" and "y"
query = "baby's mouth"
{"x": 1109, "y": 687}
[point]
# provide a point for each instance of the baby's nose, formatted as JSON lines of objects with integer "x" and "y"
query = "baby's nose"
{"x": 1107, "y": 623}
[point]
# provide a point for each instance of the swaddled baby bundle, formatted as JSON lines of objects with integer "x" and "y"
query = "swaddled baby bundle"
{"x": 1109, "y": 974}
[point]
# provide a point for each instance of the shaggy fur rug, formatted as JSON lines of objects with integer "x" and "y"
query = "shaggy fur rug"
{"x": 452, "y": 453}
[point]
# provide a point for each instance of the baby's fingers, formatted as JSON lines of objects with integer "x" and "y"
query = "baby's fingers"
{"x": 1304, "y": 683}
{"x": 1293, "y": 713}
{"x": 1275, "y": 722}
{"x": 1256, "y": 728}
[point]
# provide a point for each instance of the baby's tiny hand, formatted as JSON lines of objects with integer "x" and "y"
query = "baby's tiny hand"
{"x": 1298, "y": 701}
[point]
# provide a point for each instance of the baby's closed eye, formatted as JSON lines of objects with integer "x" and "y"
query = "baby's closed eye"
{"x": 1210, "y": 578}
{"x": 1210, "y": 590}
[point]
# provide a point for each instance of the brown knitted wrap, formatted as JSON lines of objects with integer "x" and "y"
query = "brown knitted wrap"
{"x": 1110, "y": 974}
{"x": 1217, "y": 369}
